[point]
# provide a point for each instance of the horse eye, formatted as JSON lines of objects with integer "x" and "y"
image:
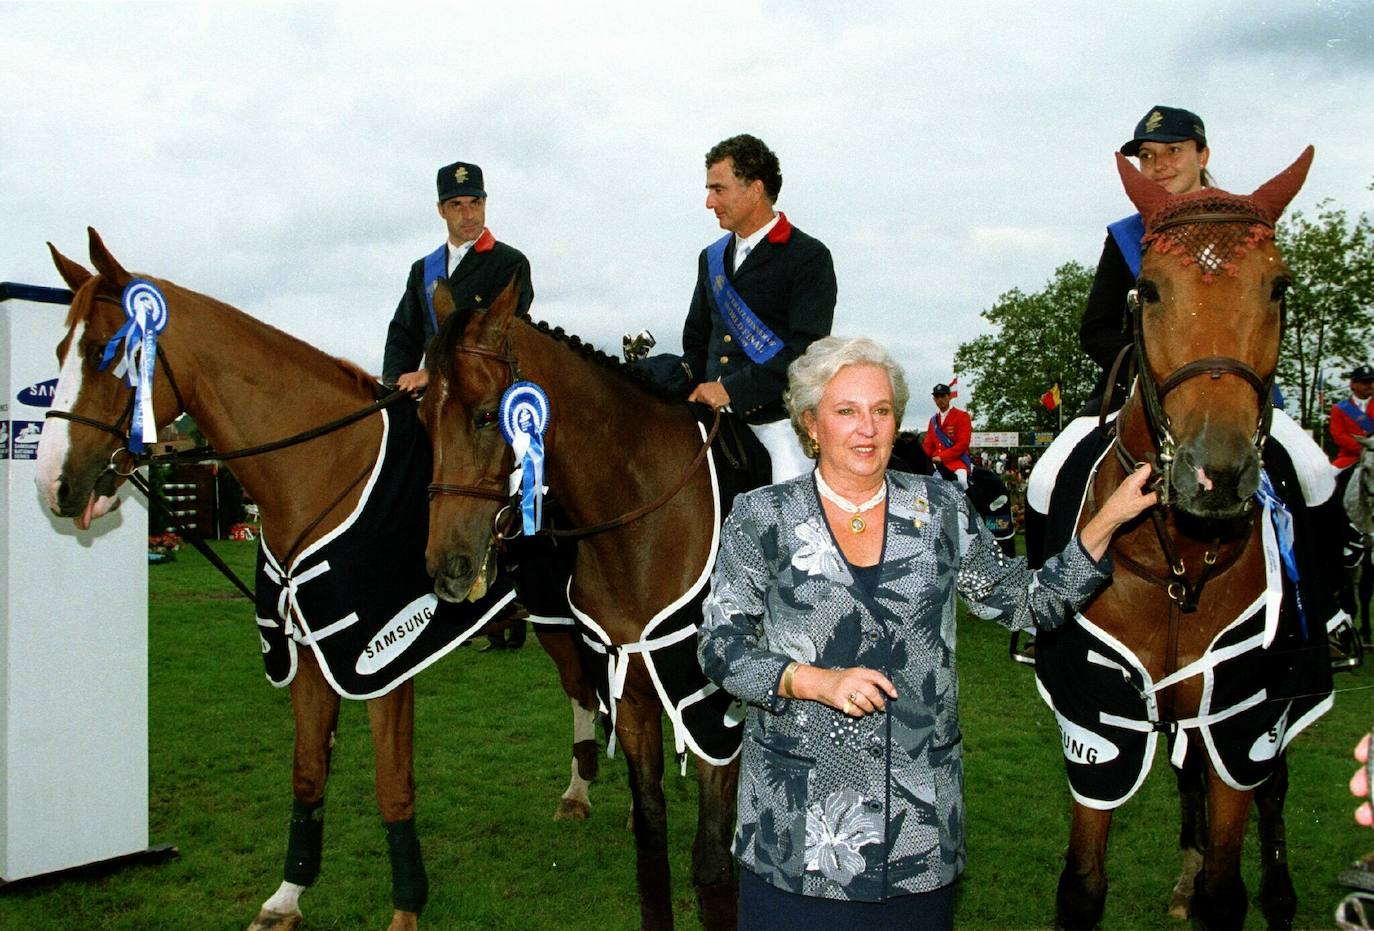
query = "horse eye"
{"x": 485, "y": 418}
{"x": 1146, "y": 290}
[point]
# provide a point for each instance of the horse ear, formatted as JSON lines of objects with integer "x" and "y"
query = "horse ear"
{"x": 1147, "y": 195}
{"x": 1275, "y": 194}
{"x": 501, "y": 311}
{"x": 73, "y": 274}
{"x": 508, "y": 300}
{"x": 105, "y": 263}
{"x": 443, "y": 302}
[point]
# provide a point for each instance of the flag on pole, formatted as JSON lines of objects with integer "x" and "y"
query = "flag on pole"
{"x": 1051, "y": 398}
{"x": 954, "y": 387}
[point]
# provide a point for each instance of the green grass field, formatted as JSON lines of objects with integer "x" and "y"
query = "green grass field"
{"x": 493, "y": 738}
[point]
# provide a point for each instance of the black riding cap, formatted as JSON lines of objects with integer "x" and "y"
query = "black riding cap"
{"x": 1166, "y": 124}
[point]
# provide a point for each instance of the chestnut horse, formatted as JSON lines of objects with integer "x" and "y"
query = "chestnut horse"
{"x": 613, "y": 449}
{"x": 1190, "y": 577}
{"x": 246, "y": 383}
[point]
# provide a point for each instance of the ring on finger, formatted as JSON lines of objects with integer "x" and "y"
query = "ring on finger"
{"x": 854, "y": 697}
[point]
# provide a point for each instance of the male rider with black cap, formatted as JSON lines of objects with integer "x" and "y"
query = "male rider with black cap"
{"x": 476, "y": 266}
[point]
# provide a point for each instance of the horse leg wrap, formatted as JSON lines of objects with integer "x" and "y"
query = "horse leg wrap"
{"x": 409, "y": 884}
{"x": 588, "y": 758}
{"x": 305, "y": 842}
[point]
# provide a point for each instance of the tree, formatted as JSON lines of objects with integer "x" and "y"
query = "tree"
{"x": 1330, "y": 307}
{"x": 1033, "y": 346}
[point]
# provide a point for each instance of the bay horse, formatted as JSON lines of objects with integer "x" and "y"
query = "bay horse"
{"x": 245, "y": 383}
{"x": 612, "y": 443}
{"x": 1198, "y": 583}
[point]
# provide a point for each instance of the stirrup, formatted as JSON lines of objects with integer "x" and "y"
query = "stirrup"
{"x": 1355, "y": 912}
{"x": 1347, "y": 652}
{"x": 1019, "y": 652}
{"x": 1359, "y": 875}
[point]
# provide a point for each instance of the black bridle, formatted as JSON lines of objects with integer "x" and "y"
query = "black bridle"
{"x": 489, "y": 417}
{"x": 1153, "y": 393}
{"x": 1183, "y": 590}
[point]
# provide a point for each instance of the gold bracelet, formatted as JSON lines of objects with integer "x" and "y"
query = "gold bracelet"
{"x": 785, "y": 689}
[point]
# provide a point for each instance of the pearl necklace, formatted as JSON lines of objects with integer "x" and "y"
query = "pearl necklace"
{"x": 856, "y": 523}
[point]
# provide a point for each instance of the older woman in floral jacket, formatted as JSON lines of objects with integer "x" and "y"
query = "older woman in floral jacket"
{"x": 831, "y": 615}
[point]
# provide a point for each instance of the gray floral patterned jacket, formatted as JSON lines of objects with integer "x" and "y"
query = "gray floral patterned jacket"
{"x": 870, "y": 808}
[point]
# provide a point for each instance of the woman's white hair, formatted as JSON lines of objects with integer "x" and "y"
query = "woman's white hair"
{"x": 810, "y": 372}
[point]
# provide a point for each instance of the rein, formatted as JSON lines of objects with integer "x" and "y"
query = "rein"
{"x": 486, "y": 418}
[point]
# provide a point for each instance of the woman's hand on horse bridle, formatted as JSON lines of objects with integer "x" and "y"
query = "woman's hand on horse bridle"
{"x": 1127, "y": 502}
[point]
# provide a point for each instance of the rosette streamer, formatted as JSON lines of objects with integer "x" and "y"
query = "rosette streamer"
{"x": 135, "y": 343}
{"x": 524, "y": 421}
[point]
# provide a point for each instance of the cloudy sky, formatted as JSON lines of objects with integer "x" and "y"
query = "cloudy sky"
{"x": 281, "y": 157}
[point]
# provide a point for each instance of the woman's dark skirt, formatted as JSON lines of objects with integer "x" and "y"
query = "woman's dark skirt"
{"x": 765, "y": 907}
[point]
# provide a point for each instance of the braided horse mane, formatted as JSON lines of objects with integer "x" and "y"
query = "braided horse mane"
{"x": 441, "y": 357}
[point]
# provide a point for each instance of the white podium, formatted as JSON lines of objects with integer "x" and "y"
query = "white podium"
{"x": 73, "y": 637}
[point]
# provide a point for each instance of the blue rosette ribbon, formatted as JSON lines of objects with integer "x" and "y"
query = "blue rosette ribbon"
{"x": 1282, "y": 521}
{"x": 135, "y": 345}
{"x": 524, "y": 421}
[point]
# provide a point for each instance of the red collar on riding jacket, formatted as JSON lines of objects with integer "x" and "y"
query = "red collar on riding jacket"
{"x": 781, "y": 231}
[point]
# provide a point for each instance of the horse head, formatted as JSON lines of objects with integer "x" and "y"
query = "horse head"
{"x": 471, "y": 364}
{"x": 83, "y": 455}
{"x": 1208, "y": 316}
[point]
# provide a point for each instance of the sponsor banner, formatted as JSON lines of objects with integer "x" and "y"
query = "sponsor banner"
{"x": 4, "y": 439}
{"x": 1043, "y": 438}
{"x": 986, "y": 439}
{"x": 24, "y": 436}
{"x": 39, "y": 394}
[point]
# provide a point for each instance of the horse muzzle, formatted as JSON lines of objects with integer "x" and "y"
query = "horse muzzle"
{"x": 460, "y": 578}
{"x": 1219, "y": 485}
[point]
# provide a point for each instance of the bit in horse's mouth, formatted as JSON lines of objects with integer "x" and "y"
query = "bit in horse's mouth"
{"x": 486, "y": 574}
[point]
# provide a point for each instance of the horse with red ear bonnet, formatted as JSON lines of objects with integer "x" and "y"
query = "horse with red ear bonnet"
{"x": 1200, "y": 635}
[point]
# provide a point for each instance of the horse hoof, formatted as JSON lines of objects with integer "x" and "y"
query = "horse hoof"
{"x": 403, "y": 921}
{"x": 571, "y": 809}
{"x": 269, "y": 920}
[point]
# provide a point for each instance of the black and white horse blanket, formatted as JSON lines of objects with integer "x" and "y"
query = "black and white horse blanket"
{"x": 360, "y": 597}
{"x": 706, "y": 719}
{"x": 1266, "y": 674}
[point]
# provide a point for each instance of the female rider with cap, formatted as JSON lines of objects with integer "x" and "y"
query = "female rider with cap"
{"x": 831, "y": 615}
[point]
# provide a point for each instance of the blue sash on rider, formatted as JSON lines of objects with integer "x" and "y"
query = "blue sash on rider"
{"x": 1362, "y": 420}
{"x": 758, "y": 342}
{"x": 1128, "y": 232}
{"x": 436, "y": 267}
{"x": 948, "y": 441}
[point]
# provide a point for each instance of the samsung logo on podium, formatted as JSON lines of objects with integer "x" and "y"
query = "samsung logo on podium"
{"x": 39, "y": 394}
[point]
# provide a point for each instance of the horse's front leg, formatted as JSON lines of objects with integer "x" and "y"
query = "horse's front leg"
{"x": 392, "y": 719}
{"x": 1082, "y": 893}
{"x": 315, "y": 707}
{"x": 639, "y": 727}
{"x": 1277, "y": 898}
{"x": 1219, "y": 900}
{"x": 1192, "y": 833}
{"x": 713, "y": 871}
